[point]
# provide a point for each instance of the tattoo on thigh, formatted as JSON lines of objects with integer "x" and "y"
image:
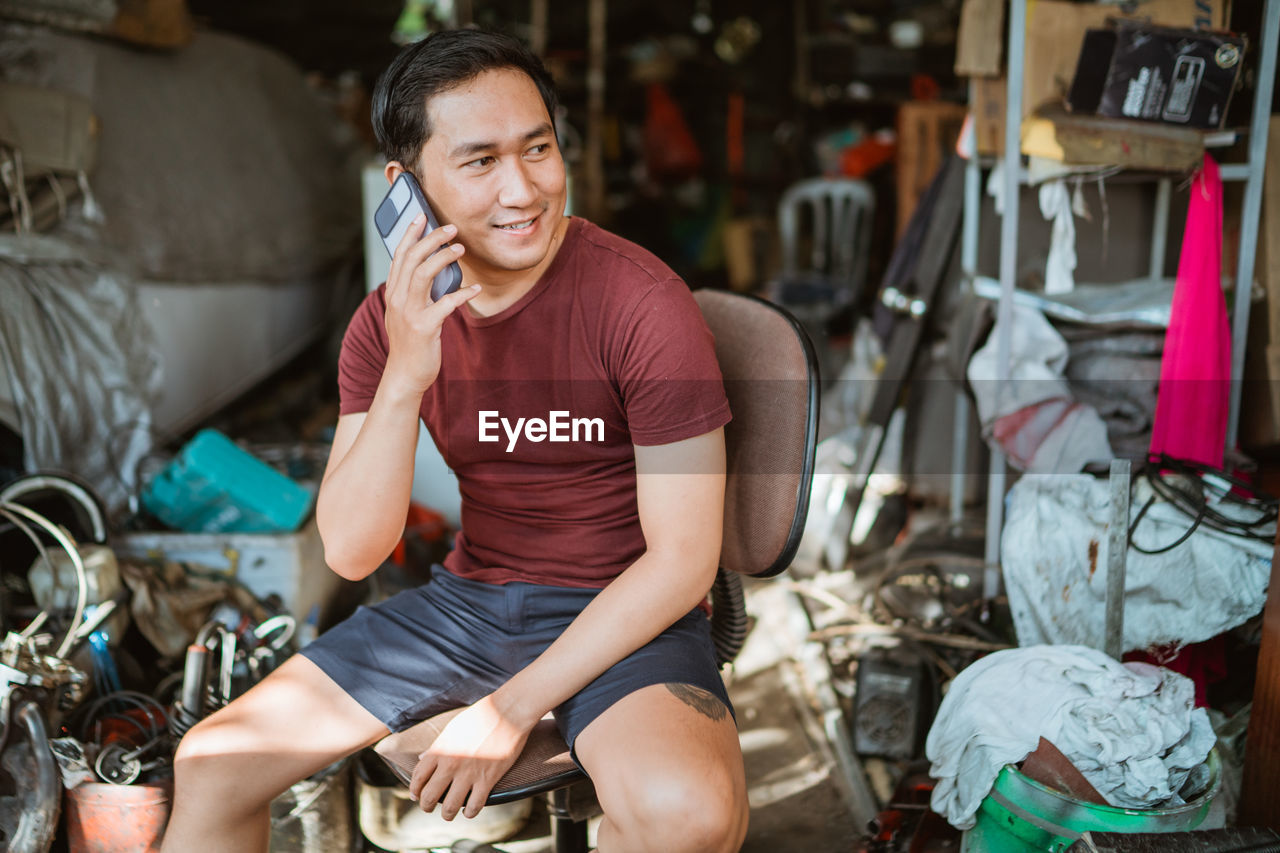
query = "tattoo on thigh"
{"x": 699, "y": 700}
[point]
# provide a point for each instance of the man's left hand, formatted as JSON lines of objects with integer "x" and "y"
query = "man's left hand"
{"x": 467, "y": 760}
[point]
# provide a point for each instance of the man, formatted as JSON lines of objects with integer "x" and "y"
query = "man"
{"x": 572, "y": 386}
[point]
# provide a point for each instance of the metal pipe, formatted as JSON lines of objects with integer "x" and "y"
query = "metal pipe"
{"x": 969, "y": 265}
{"x": 991, "y": 581}
{"x": 1008, "y": 280}
{"x": 959, "y": 455}
{"x": 1234, "y": 172}
{"x": 1160, "y": 228}
{"x": 195, "y": 680}
{"x": 538, "y": 26}
{"x": 1117, "y": 552}
{"x": 593, "y": 154}
{"x": 568, "y": 835}
{"x": 1266, "y": 76}
{"x": 972, "y": 199}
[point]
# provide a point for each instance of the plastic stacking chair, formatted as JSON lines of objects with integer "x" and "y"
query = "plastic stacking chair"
{"x": 771, "y": 379}
{"x": 839, "y": 215}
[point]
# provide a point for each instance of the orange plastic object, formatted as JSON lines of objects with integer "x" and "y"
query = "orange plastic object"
{"x": 858, "y": 161}
{"x": 104, "y": 818}
{"x": 420, "y": 523}
{"x": 115, "y": 728}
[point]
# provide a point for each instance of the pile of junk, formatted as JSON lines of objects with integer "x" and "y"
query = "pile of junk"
{"x": 1068, "y": 711}
{"x": 1078, "y": 675}
{"x": 121, "y": 633}
{"x": 116, "y": 641}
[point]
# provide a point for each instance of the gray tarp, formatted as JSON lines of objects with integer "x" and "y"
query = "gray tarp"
{"x": 76, "y": 351}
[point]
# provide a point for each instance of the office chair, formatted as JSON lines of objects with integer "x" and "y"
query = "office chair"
{"x": 770, "y": 376}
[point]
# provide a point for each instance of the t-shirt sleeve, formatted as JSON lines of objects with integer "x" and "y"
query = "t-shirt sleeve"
{"x": 363, "y": 355}
{"x": 669, "y": 378}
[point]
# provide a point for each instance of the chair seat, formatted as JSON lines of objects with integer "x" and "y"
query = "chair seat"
{"x": 543, "y": 765}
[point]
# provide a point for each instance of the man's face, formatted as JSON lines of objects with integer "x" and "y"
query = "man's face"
{"x": 492, "y": 168}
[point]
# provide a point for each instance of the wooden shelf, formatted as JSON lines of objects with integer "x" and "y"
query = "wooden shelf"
{"x": 1095, "y": 140}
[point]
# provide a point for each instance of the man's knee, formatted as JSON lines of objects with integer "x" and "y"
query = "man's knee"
{"x": 210, "y": 761}
{"x": 684, "y": 814}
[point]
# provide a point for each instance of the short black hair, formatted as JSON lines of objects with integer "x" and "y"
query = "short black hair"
{"x": 440, "y": 62}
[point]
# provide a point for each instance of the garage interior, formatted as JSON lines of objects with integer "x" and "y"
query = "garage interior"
{"x": 1037, "y": 512}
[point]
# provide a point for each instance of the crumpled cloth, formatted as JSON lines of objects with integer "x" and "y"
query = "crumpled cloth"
{"x": 1131, "y": 729}
{"x": 1060, "y": 267}
{"x": 170, "y": 601}
{"x": 1033, "y": 417}
{"x": 1054, "y": 552}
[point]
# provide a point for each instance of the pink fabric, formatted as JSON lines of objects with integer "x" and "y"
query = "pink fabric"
{"x": 1195, "y": 373}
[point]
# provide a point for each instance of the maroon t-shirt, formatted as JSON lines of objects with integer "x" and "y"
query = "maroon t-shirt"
{"x": 536, "y": 408}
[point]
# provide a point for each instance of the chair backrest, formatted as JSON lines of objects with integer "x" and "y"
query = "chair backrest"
{"x": 841, "y": 212}
{"x": 771, "y": 377}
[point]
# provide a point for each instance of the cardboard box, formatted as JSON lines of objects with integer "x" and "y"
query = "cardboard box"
{"x": 1181, "y": 77}
{"x": 987, "y": 99}
{"x": 1056, "y": 31}
{"x": 927, "y": 132}
{"x": 980, "y": 40}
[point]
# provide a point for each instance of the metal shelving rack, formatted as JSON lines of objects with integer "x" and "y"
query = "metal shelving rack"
{"x": 1249, "y": 172}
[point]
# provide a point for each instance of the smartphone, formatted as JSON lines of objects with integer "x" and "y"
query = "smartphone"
{"x": 396, "y": 212}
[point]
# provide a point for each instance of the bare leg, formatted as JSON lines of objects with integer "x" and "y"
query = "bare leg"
{"x": 230, "y": 766}
{"x": 667, "y": 768}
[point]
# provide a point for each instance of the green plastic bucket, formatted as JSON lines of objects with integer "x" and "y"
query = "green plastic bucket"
{"x": 1022, "y": 815}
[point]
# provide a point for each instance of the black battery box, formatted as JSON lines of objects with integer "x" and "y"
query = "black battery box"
{"x": 1138, "y": 71}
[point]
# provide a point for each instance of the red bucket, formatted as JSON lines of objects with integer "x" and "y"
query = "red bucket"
{"x": 104, "y": 818}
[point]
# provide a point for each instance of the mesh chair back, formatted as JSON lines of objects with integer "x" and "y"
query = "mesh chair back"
{"x": 771, "y": 377}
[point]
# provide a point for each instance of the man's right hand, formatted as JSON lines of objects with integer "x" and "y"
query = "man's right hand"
{"x": 412, "y": 320}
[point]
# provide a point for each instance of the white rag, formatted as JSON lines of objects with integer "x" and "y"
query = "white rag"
{"x": 1032, "y": 416}
{"x": 1055, "y": 551}
{"x": 1060, "y": 267}
{"x": 1132, "y": 729}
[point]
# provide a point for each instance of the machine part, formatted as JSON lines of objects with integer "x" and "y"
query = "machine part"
{"x": 227, "y": 649}
{"x": 189, "y": 709}
{"x": 889, "y": 714}
{"x": 195, "y": 677}
{"x": 117, "y": 765}
{"x": 64, "y": 499}
{"x": 898, "y": 302}
{"x": 30, "y": 787}
{"x": 568, "y": 835}
{"x": 729, "y": 630}
{"x": 282, "y": 625}
{"x": 23, "y": 663}
{"x": 52, "y": 577}
{"x": 11, "y": 511}
{"x": 72, "y": 763}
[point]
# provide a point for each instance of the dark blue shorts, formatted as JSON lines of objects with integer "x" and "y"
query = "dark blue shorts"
{"x": 453, "y": 641}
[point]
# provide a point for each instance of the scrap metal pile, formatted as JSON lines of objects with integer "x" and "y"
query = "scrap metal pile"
{"x": 98, "y": 683}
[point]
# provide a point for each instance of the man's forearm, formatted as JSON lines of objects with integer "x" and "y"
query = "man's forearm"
{"x": 363, "y": 501}
{"x": 642, "y": 602}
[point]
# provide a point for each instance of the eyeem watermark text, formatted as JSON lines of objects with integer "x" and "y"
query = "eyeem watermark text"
{"x": 558, "y": 426}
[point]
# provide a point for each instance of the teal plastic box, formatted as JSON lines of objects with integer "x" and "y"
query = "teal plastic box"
{"x": 215, "y": 486}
